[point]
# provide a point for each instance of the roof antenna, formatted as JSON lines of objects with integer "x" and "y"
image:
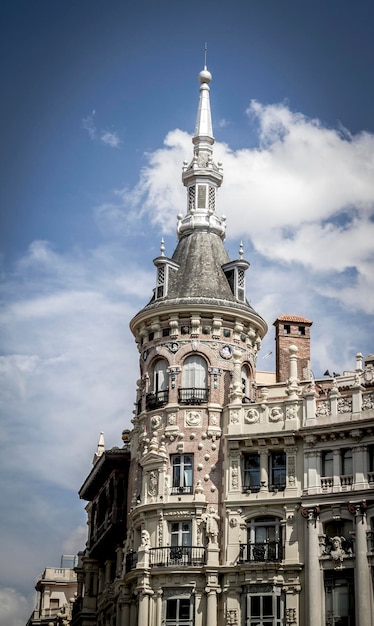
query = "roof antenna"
{"x": 205, "y": 51}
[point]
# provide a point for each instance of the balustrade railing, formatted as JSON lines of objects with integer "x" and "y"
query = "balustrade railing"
{"x": 156, "y": 399}
{"x": 173, "y": 556}
{"x": 269, "y": 551}
{"x": 193, "y": 395}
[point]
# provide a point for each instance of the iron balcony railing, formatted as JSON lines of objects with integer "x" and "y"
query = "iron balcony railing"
{"x": 174, "y": 556}
{"x": 269, "y": 551}
{"x": 193, "y": 395}
{"x": 156, "y": 399}
{"x": 182, "y": 489}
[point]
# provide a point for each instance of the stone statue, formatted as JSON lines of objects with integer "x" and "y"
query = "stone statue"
{"x": 146, "y": 541}
{"x": 211, "y": 519}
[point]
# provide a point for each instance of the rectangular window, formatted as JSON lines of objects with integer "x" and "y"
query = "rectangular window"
{"x": 301, "y": 330}
{"x": 182, "y": 472}
{"x": 277, "y": 470}
{"x": 251, "y": 472}
{"x": 339, "y": 599}
{"x": 286, "y": 329}
{"x": 327, "y": 464}
{"x": 265, "y": 610}
{"x": 178, "y": 611}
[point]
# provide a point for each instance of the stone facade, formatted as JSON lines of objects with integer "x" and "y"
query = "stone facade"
{"x": 246, "y": 504}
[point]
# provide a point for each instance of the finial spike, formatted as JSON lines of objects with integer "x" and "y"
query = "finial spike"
{"x": 205, "y": 53}
{"x": 241, "y": 250}
{"x": 162, "y": 247}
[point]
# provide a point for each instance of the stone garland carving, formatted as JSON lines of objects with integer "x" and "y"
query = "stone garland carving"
{"x": 368, "y": 402}
{"x": 160, "y": 530}
{"x": 291, "y": 616}
{"x": 172, "y": 419}
{"x": 291, "y": 412}
{"x": 345, "y": 405}
{"x": 323, "y": 408}
{"x": 234, "y": 417}
{"x": 291, "y": 470}
{"x": 232, "y": 617}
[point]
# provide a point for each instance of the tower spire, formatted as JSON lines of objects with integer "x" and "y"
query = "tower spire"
{"x": 202, "y": 176}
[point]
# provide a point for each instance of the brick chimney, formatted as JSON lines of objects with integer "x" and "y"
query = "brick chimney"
{"x": 292, "y": 329}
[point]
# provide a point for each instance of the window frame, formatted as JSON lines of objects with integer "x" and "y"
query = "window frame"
{"x": 273, "y": 483}
{"x": 180, "y": 476}
{"x": 249, "y": 485}
{"x": 178, "y": 597}
{"x": 274, "y": 597}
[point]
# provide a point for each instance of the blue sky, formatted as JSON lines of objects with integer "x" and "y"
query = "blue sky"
{"x": 98, "y": 106}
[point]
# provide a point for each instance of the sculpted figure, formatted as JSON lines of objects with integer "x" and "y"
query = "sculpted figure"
{"x": 211, "y": 519}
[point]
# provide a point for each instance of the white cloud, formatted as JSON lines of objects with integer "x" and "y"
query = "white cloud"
{"x": 89, "y": 125}
{"x": 110, "y": 139}
{"x": 14, "y": 608}
{"x": 305, "y": 195}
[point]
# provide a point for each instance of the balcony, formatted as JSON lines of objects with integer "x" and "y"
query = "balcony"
{"x": 156, "y": 399}
{"x": 177, "y": 556}
{"x": 270, "y": 551}
{"x": 193, "y": 395}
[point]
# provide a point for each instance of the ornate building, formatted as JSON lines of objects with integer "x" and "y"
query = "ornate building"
{"x": 247, "y": 503}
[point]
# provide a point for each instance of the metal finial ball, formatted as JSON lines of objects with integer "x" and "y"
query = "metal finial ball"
{"x": 205, "y": 76}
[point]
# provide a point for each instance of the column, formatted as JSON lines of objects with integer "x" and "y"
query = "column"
{"x": 133, "y": 614}
{"x": 211, "y": 613}
{"x": 360, "y": 469}
{"x": 159, "y": 595}
{"x": 143, "y": 608}
{"x": 362, "y": 573}
{"x": 312, "y": 571}
{"x": 336, "y": 470}
{"x": 125, "y": 614}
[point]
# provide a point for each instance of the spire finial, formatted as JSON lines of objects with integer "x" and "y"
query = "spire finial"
{"x": 205, "y": 53}
{"x": 241, "y": 250}
{"x": 162, "y": 247}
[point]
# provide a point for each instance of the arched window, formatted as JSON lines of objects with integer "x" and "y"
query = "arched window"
{"x": 264, "y": 540}
{"x": 194, "y": 381}
{"x": 159, "y": 394}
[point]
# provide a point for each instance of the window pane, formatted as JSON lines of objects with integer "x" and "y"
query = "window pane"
{"x": 267, "y": 606}
{"x": 255, "y": 606}
{"x": 347, "y": 462}
{"x": 171, "y": 609}
{"x": 184, "y": 608}
{"x": 327, "y": 464}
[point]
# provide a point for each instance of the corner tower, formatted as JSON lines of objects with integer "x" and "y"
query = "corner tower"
{"x": 198, "y": 339}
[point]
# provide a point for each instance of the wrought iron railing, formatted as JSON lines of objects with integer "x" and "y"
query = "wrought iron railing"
{"x": 269, "y": 551}
{"x": 182, "y": 489}
{"x": 193, "y": 395}
{"x": 174, "y": 556}
{"x": 156, "y": 399}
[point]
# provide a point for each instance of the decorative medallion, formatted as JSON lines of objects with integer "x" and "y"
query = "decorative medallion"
{"x": 173, "y": 347}
{"x": 226, "y": 352}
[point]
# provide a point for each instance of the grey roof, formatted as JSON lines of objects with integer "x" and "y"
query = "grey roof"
{"x": 200, "y": 278}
